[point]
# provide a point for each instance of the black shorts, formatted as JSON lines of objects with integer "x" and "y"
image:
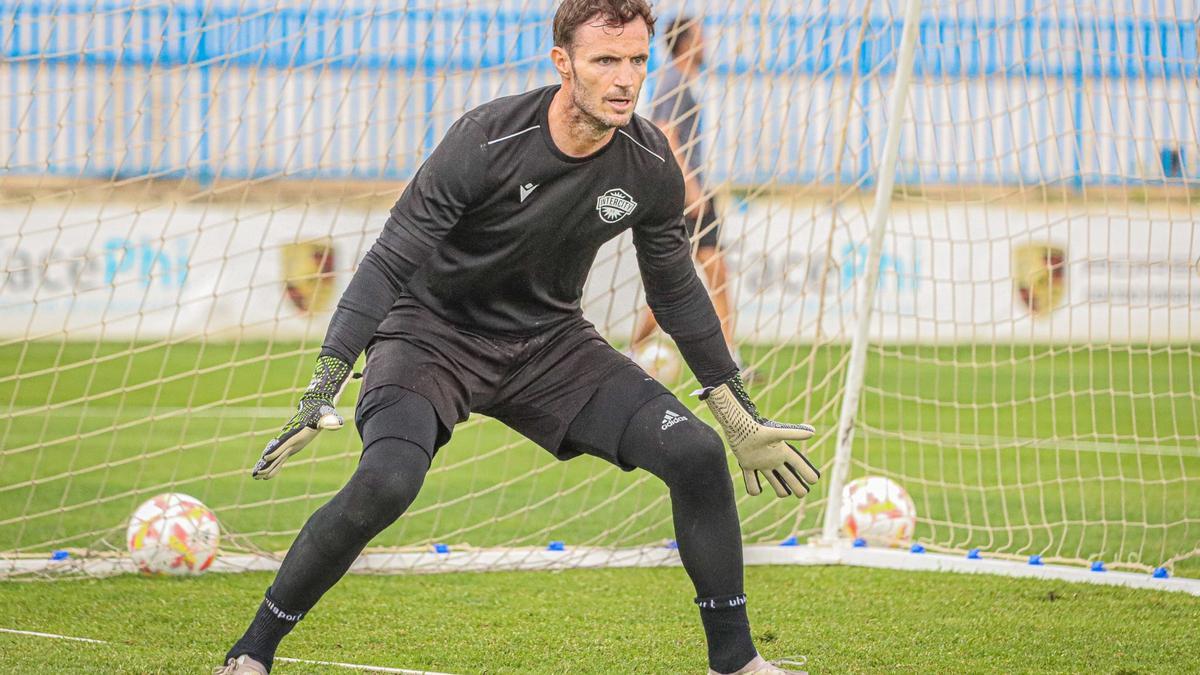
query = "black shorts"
{"x": 706, "y": 227}
{"x": 536, "y": 386}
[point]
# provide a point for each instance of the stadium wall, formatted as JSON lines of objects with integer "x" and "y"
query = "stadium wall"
{"x": 223, "y": 91}
{"x": 963, "y": 273}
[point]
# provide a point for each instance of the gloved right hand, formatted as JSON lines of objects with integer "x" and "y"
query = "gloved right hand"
{"x": 314, "y": 413}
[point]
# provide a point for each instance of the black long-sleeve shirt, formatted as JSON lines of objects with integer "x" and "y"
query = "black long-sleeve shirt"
{"x": 498, "y": 230}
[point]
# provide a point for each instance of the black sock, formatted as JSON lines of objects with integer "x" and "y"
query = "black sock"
{"x": 261, "y": 639}
{"x": 728, "y": 631}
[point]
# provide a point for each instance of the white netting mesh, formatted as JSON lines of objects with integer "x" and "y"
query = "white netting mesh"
{"x": 185, "y": 189}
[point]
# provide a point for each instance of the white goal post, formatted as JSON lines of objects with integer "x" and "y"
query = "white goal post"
{"x": 962, "y": 241}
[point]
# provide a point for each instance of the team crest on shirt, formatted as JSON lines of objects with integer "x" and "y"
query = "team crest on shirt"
{"x": 615, "y": 205}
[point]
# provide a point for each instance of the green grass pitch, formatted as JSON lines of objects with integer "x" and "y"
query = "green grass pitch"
{"x": 845, "y": 620}
{"x": 1076, "y": 453}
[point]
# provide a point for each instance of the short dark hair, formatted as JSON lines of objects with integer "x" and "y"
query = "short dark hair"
{"x": 679, "y": 31}
{"x": 572, "y": 14}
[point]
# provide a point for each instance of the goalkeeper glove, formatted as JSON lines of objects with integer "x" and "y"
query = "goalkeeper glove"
{"x": 760, "y": 444}
{"x": 314, "y": 413}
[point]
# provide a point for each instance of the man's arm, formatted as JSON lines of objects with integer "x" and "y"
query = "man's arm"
{"x": 673, "y": 289}
{"x": 683, "y": 309}
{"x": 447, "y": 184}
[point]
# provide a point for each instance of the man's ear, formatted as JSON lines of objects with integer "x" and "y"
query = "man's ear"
{"x": 562, "y": 62}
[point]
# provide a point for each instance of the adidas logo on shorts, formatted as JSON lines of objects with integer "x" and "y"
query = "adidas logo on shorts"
{"x": 671, "y": 419}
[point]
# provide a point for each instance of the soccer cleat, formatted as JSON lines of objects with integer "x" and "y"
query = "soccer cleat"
{"x": 242, "y": 665}
{"x": 760, "y": 666}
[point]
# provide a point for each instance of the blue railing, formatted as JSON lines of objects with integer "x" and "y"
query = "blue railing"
{"x": 104, "y": 89}
{"x": 478, "y": 39}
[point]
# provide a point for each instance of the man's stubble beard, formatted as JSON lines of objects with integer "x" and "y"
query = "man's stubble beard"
{"x": 590, "y": 116}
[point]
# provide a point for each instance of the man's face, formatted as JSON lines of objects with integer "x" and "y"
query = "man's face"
{"x": 608, "y": 67}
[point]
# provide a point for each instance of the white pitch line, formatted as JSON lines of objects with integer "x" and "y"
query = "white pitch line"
{"x": 51, "y": 635}
{"x": 350, "y": 666}
{"x": 356, "y": 666}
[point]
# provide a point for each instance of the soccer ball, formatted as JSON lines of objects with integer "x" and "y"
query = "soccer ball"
{"x": 878, "y": 510}
{"x": 173, "y": 534}
{"x": 659, "y": 361}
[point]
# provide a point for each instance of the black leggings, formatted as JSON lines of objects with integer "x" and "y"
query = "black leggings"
{"x": 684, "y": 453}
{"x": 689, "y": 457}
{"x": 390, "y": 473}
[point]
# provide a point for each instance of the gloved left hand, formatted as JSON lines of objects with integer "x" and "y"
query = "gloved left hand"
{"x": 760, "y": 444}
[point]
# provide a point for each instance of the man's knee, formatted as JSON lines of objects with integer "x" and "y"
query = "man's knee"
{"x": 386, "y": 483}
{"x": 697, "y": 455}
{"x": 391, "y": 474}
{"x": 665, "y": 438}
{"x": 399, "y": 430}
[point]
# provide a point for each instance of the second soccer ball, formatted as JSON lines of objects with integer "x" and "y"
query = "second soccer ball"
{"x": 878, "y": 510}
{"x": 659, "y": 361}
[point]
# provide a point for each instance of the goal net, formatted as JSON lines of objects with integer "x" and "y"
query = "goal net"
{"x": 187, "y": 187}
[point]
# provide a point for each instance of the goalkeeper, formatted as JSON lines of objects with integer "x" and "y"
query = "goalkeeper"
{"x": 470, "y": 301}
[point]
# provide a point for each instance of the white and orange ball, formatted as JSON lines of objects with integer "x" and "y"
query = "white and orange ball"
{"x": 173, "y": 534}
{"x": 659, "y": 361}
{"x": 878, "y": 510}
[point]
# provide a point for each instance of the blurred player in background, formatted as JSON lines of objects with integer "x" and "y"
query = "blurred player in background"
{"x": 469, "y": 301}
{"x": 676, "y": 111}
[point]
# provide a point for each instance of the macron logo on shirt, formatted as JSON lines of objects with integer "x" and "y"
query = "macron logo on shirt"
{"x": 671, "y": 419}
{"x": 527, "y": 189}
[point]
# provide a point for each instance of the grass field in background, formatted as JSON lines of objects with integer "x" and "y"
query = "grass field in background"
{"x": 1075, "y": 453}
{"x": 845, "y": 620}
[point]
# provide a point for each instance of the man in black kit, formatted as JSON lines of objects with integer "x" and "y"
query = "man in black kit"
{"x": 470, "y": 301}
